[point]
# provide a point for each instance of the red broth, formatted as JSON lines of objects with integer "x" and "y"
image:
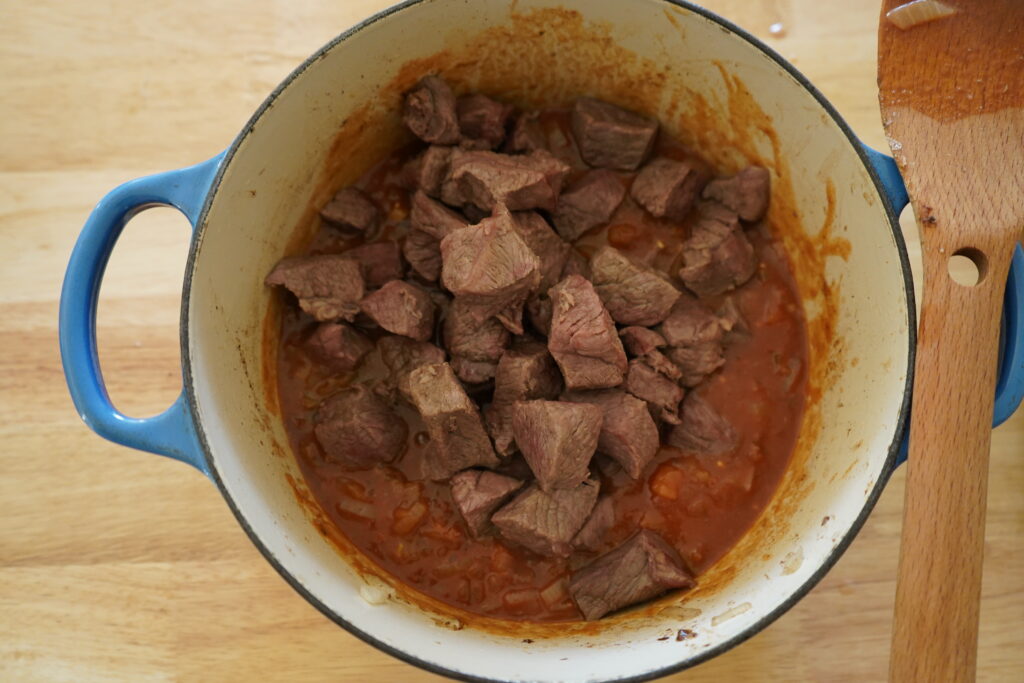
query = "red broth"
{"x": 701, "y": 505}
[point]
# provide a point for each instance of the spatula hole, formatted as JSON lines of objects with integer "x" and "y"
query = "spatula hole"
{"x": 967, "y": 266}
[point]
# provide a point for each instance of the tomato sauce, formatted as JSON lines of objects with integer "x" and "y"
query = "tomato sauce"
{"x": 701, "y": 505}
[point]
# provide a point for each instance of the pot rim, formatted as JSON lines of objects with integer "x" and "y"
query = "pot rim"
{"x": 828, "y": 562}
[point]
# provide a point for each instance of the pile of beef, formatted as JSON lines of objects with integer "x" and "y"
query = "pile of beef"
{"x": 575, "y": 355}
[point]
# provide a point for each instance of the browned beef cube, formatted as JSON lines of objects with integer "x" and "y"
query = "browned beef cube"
{"x": 512, "y": 315}
{"x": 639, "y": 341}
{"x": 703, "y": 430}
{"x": 465, "y": 337}
{"x": 732, "y": 320}
{"x": 610, "y": 136}
{"x": 527, "y": 134}
{"x": 628, "y": 433}
{"x": 423, "y": 252}
{"x": 380, "y": 262}
{"x": 486, "y": 179}
{"x": 632, "y": 293}
{"x": 546, "y": 521}
{"x": 746, "y": 193}
{"x": 433, "y": 169}
{"x": 661, "y": 393}
{"x": 432, "y": 217}
{"x": 690, "y": 322}
{"x": 339, "y": 345}
{"x": 576, "y": 264}
{"x": 667, "y": 188}
{"x": 328, "y": 286}
{"x": 583, "y": 339}
{"x": 482, "y": 121}
{"x": 473, "y": 371}
{"x": 525, "y": 372}
{"x": 489, "y": 265}
{"x": 696, "y": 362}
{"x": 351, "y": 209}
{"x": 557, "y": 438}
{"x": 430, "y": 112}
{"x": 402, "y": 308}
{"x": 478, "y": 493}
{"x": 643, "y": 567}
{"x": 550, "y": 249}
{"x": 453, "y": 422}
{"x": 402, "y": 355}
{"x": 588, "y": 203}
{"x": 717, "y": 257}
{"x": 592, "y": 535}
{"x": 356, "y": 428}
{"x": 538, "y": 308}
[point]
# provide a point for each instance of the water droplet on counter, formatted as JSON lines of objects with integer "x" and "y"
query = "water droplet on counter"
{"x": 777, "y": 29}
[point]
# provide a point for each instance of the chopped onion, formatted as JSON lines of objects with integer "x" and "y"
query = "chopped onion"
{"x": 918, "y": 12}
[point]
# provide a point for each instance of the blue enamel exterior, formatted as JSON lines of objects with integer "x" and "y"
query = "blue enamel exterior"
{"x": 171, "y": 433}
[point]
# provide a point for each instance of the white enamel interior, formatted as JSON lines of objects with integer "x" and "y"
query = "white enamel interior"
{"x": 270, "y": 180}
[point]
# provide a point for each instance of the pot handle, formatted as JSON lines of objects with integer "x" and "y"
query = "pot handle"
{"x": 1010, "y": 377}
{"x": 172, "y": 432}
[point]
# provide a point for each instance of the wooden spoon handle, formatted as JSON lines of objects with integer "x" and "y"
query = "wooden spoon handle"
{"x": 935, "y": 630}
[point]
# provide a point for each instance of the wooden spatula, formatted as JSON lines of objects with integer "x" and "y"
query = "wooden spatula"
{"x": 952, "y": 97}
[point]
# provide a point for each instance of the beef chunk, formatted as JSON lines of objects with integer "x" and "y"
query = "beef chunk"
{"x": 527, "y": 135}
{"x": 482, "y": 121}
{"x": 546, "y": 521}
{"x": 465, "y": 337}
{"x": 402, "y": 308}
{"x": 746, "y": 193}
{"x": 486, "y": 179}
{"x": 690, "y": 323}
{"x": 339, "y": 345}
{"x": 512, "y": 315}
{"x": 358, "y": 429}
{"x": 538, "y": 307}
{"x": 717, "y": 257}
{"x": 402, "y": 355}
{"x": 557, "y": 438}
{"x": 351, "y": 209}
{"x": 453, "y": 422}
{"x": 661, "y": 393}
{"x": 380, "y": 262}
{"x": 643, "y": 567}
{"x": 433, "y": 218}
{"x": 611, "y": 137}
{"x": 639, "y": 341}
{"x": 328, "y": 286}
{"x": 430, "y": 112}
{"x": 632, "y": 293}
{"x": 696, "y": 362}
{"x": 423, "y": 252}
{"x": 478, "y": 493}
{"x": 576, "y": 264}
{"x": 433, "y": 169}
{"x": 588, "y": 203}
{"x": 583, "y": 340}
{"x": 702, "y": 429}
{"x": 667, "y": 188}
{"x": 597, "y": 526}
{"x": 489, "y": 265}
{"x": 525, "y": 372}
{"x": 696, "y": 334}
{"x": 473, "y": 371}
{"x": 628, "y": 433}
{"x": 732, "y": 320}
{"x": 550, "y": 249}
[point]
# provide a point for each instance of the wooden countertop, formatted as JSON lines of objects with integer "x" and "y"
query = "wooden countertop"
{"x": 117, "y": 565}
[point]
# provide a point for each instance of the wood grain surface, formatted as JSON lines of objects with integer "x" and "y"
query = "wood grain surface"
{"x": 121, "y": 566}
{"x": 963, "y": 103}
